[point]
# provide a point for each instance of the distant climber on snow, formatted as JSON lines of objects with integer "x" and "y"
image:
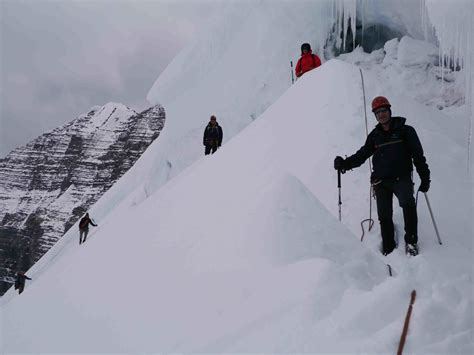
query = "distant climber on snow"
{"x": 84, "y": 227}
{"x": 308, "y": 60}
{"x": 395, "y": 148}
{"x": 212, "y": 136}
{"x": 20, "y": 281}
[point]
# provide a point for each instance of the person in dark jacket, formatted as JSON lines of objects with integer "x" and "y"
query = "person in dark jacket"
{"x": 212, "y": 136}
{"x": 307, "y": 62}
{"x": 20, "y": 281}
{"x": 394, "y": 146}
{"x": 84, "y": 227}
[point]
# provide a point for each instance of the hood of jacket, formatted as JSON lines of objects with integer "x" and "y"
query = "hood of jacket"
{"x": 395, "y": 123}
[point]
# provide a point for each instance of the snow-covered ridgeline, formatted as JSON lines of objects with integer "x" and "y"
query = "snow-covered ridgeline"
{"x": 232, "y": 72}
{"x": 262, "y": 264}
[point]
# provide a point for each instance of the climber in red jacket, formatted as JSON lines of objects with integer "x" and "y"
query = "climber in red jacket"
{"x": 308, "y": 60}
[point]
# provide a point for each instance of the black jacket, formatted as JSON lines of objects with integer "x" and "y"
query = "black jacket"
{"x": 212, "y": 135}
{"x": 84, "y": 223}
{"x": 20, "y": 280}
{"x": 393, "y": 152}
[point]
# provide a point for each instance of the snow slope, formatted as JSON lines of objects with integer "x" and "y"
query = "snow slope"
{"x": 243, "y": 252}
{"x": 240, "y": 64}
{"x": 237, "y": 67}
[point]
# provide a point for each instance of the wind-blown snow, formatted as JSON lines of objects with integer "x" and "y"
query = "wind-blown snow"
{"x": 242, "y": 252}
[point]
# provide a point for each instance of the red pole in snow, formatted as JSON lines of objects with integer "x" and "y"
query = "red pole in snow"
{"x": 407, "y": 321}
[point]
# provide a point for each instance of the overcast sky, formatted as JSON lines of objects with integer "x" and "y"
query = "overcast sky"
{"x": 59, "y": 58}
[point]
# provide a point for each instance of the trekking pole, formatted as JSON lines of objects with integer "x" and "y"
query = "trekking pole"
{"x": 432, "y": 218}
{"x": 292, "y": 77}
{"x": 407, "y": 321}
{"x": 339, "y": 187}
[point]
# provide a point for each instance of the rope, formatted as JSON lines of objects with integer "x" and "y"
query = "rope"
{"x": 371, "y": 224}
{"x": 365, "y": 113}
{"x": 407, "y": 321}
{"x": 370, "y": 220}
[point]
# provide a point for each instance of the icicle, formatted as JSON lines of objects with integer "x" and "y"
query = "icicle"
{"x": 362, "y": 20}
{"x": 453, "y": 23}
{"x": 346, "y": 15}
{"x": 469, "y": 89}
{"x": 354, "y": 23}
{"x": 338, "y": 24}
{"x": 344, "y": 28}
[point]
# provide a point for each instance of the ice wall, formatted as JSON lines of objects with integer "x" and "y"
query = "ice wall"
{"x": 452, "y": 22}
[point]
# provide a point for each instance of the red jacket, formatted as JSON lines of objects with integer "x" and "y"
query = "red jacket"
{"x": 307, "y": 62}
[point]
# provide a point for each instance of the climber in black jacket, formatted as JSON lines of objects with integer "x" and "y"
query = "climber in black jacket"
{"x": 84, "y": 227}
{"x": 20, "y": 281}
{"x": 395, "y": 148}
{"x": 212, "y": 136}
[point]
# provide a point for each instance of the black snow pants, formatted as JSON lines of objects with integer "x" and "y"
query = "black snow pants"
{"x": 403, "y": 189}
{"x": 210, "y": 149}
{"x": 20, "y": 286}
{"x": 82, "y": 232}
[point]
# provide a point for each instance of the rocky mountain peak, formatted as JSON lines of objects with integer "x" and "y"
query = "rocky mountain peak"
{"x": 47, "y": 184}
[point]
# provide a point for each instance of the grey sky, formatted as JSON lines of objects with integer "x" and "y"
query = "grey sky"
{"x": 59, "y": 58}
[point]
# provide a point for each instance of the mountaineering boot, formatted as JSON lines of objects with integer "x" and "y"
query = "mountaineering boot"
{"x": 385, "y": 252}
{"x": 411, "y": 249}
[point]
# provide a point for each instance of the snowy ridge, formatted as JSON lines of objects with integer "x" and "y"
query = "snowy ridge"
{"x": 234, "y": 74}
{"x": 270, "y": 269}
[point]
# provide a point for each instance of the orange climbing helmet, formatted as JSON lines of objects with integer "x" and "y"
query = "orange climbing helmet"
{"x": 380, "y": 101}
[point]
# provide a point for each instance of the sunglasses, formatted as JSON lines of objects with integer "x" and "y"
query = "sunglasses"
{"x": 381, "y": 110}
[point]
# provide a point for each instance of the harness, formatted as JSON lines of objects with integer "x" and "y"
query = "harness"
{"x": 402, "y": 139}
{"x": 389, "y": 143}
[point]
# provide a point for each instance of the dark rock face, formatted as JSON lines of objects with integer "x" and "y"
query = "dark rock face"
{"x": 48, "y": 184}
